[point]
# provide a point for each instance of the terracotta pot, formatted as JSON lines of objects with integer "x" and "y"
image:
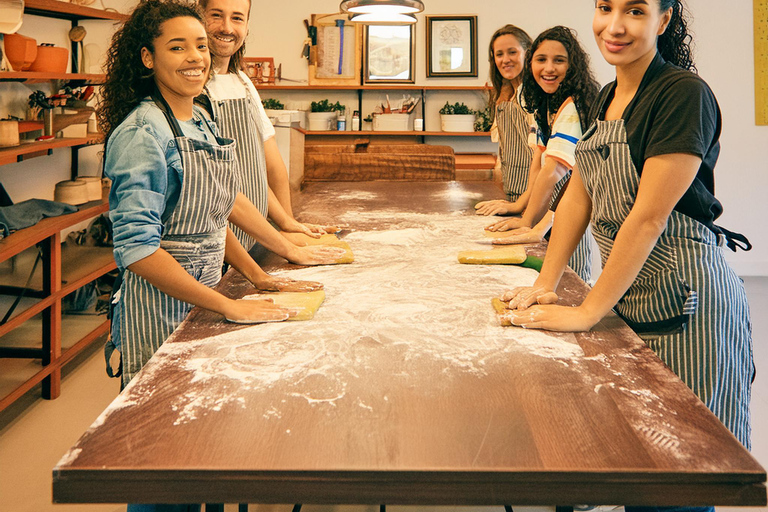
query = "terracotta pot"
{"x": 50, "y": 59}
{"x": 20, "y": 50}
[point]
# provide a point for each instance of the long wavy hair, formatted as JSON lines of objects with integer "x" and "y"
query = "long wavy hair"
{"x": 236, "y": 62}
{"x": 496, "y": 79}
{"x": 675, "y": 43}
{"x": 579, "y": 82}
{"x": 128, "y": 80}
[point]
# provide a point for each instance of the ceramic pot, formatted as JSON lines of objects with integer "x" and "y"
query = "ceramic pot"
{"x": 458, "y": 122}
{"x": 9, "y": 133}
{"x": 322, "y": 121}
{"x": 13, "y": 15}
{"x": 21, "y": 51}
{"x": 71, "y": 192}
{"x": 50, "y": 59}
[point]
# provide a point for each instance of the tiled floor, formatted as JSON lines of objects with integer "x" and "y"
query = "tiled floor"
{"x": 35, "y": 433}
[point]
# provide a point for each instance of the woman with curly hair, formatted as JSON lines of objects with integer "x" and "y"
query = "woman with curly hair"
{"x": 506, "y": 53}
{"x": 174, "y": 183}
{"x": 558, "y": 88}
{"x": 645, "y": 179}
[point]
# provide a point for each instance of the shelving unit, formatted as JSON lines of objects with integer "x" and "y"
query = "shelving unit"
{"x": 63, "y": 268}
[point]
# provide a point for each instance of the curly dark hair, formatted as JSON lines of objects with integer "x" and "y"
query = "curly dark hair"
{"x": 675, "y": 43}
{"x": 128, "y": 81}
{"x": 579, "y": 82}
{"x": 496, "y": 79}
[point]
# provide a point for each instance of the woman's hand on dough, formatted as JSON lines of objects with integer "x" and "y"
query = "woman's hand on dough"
{"x": 496, "y": 207}
{"x": 553, "y": 318}
{"x": 294, "y": 226}
{"x": 322, "y": 229}
{"x": 285, "y": 284}
{"x": 523, "y": 297}
{"x": 317, "y": 255}
{"x": 256, "y": 311}
{"x": 506, "y": 225}
{"x": 524, "y": 235}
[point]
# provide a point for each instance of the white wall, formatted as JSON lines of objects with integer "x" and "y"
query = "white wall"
{"x": 724, "y": 58}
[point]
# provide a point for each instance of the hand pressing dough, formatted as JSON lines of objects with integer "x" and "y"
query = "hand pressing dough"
{"x": 496, "y": 234}
{"x": 327, "y": 240}
{"x": 306, "y": 302}
{"x": 502, "y": 313}
{"x": 506, "y": 255}
{"x": 303, "y": 240}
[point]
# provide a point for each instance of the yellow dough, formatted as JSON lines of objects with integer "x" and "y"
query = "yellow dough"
{"x": 303, "y": 240}
{"x": 502, "y": 313}
{"x": 507, "y": 255}
{"x": 327, "y": 240}
{"x": 307, "y": 302}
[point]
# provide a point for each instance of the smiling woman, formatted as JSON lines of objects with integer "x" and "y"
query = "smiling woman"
{"x": 174, "y": 186}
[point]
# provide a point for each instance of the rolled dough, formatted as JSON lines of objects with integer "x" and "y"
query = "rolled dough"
{"x": 303, "y": 240}
{"x": 502, "y": 313}
{"x": 307, "y": 302}
{"x": 507, "y": 255}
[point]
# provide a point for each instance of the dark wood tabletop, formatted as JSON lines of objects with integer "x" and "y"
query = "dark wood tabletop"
{"x": 404, "y": 390}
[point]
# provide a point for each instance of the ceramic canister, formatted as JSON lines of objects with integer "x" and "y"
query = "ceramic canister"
{"x": 9, "y": 133}
{"x": 93, "y": 186}
{"x": 71, "y": 192}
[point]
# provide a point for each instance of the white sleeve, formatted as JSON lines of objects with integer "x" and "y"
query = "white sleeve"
{"x": 267, "y": 130}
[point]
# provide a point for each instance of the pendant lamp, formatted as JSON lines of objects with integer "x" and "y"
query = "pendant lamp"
{"x": 383, "y": 18}
{"x": 382, "y": 7}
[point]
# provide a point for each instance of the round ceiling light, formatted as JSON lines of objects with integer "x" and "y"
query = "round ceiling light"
{"x": 383, "y": 18}
{"x": 382, "y": 7}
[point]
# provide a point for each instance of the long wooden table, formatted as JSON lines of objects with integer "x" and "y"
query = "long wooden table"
{"x": 359, "y": 406}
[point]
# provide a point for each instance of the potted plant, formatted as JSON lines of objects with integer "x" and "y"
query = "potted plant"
{"x": 271, "y": 105}
{"x": 484, "y": 119}
{"x": 368, "y": 123}
{"x": 322, "y": 115}
{"x": 457, "y": 118}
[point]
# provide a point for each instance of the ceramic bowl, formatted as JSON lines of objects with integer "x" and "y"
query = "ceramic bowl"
{"x": 50, "y": 59}
{"x": 21, "y": 51}
{"x": 71, "y": 192}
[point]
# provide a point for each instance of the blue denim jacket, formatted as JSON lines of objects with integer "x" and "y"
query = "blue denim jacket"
{"x": 146, "y": 172}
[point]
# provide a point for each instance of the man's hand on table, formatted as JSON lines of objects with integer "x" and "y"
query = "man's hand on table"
{"x": 285, "y": 284}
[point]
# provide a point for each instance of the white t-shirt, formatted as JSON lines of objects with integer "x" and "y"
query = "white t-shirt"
{"x": 230, "y": 87}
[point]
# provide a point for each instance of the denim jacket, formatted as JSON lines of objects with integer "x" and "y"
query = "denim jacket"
{"x": 146, "y": 171}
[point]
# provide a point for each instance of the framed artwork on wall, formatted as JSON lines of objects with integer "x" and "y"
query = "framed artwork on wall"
{"x": 451, "y": 46}
{"x": 390, "y": 54}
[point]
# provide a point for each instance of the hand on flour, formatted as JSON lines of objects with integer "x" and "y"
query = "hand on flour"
{"x": 553, "y": 318}
{"x": 523, "y": 297}
{"x": 506, "y": 225}
{"x": 316, "y": 255}
{"x": 322, "y": 229}
{"x": 285, "y": 284}
{"x": 524, "y": 235}
{"x": 256, "y": 312}
{"x": 497, "y": 207}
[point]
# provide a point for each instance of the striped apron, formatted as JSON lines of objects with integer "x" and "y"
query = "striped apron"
{"x": 514, "y": 150}
{"x": 686, "y": 303}
{"x": 237, "y": 119}
{"x": 194, "y": 234}
{"x": 581, "y": 259}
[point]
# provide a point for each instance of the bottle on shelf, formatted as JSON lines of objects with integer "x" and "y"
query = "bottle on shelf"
{"x": 341, "y": 121}
{"x": 356, "y": 121}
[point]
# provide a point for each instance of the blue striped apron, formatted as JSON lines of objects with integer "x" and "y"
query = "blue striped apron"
{"x": 237, "y": 119}
{"x": 514, "y": 150}
{"x": 194, "y": 234}
{"x": 686, "y": 303}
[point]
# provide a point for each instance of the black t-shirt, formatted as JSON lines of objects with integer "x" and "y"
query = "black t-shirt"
{"x": 674, "y": 111}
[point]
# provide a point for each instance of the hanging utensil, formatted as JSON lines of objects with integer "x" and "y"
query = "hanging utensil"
{"x": 76, "y": 35}
{"x": 340, "y": 24}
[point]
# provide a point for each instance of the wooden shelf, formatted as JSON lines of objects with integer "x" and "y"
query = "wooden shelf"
{"x": 29, "y": 150}
{"x": 392, "y": 87}
{"x": 368, "y": 133}
{"x": 68, "y": 11}
{"x": 30, "y": 77}
{"x": 25, "y": 238}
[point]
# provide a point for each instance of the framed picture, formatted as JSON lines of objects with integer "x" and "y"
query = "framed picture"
{"x": 390, "y": 54}
{"x": 335, "y": 58}
{"x": 451, "y": 46}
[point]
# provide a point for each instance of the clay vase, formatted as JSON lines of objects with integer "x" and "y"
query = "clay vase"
{"x": 20, "y": 50}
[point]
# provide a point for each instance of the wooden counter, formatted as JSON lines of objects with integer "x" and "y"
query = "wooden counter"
{"x": 403, "y": 391}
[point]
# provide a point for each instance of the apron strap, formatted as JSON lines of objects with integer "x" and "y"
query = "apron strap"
{"x": 167, "y": 112}
{"x": 734, "y": 240}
